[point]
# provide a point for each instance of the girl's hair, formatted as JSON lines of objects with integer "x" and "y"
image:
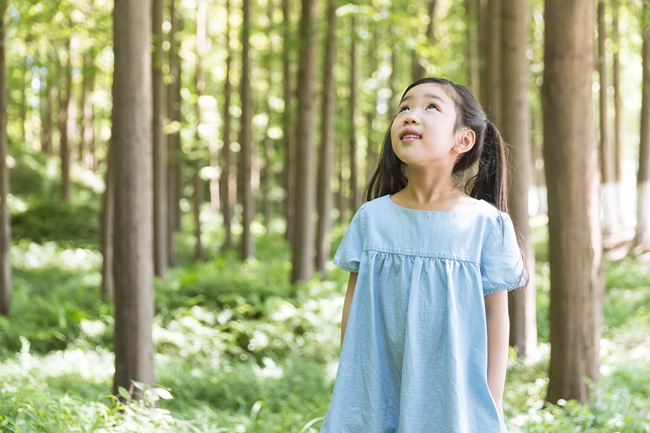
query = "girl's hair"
{"x": 488, "y": 184}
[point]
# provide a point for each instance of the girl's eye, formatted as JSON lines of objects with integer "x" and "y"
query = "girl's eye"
{"x": 433, "y": 106}
{"x": 402, "y": 109}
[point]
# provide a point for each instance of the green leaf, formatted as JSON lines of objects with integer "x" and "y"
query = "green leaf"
{"x": 123, "y": 392}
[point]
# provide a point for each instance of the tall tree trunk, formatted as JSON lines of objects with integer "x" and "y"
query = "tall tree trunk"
{"x": 571, "y": 163}
{"x": 472, "y": 15}
{"x": 303, "y": 245}
{"x": 618, "y": 106}
{"x": 159, "y": 145}
{"x": 67, "y": 118}
{"x": 643, "y": 175}
{"x": 46, "y": 117}
{"x": 352, "y": 110}
{"x": 227, "y": 202}
{"x": 175, "y": 154}
{"x": 393, "y": 80}
{"x": 326, "y": 151}
{"x": 244, "y": 172}
{"x": 483, "y": 42}
{"x": 493, "y": 62}
{"x": 289, "y": 151}
{"x": 108, "y": 226}
{"x": 86, "y": 144}
{"x": 132, "y": 117}
{"x": 609, "y": 203}
{"x": 201, "y": 18}
{"x": 516, "y": 132}
{"x": 5, "y": 221}
{"x": 197, "y": 202}
{"x": 417, "y": 70}
{"x": 340, "y": 151}
{"x": 371, "y": 145}
{"x": 25, "y": 82}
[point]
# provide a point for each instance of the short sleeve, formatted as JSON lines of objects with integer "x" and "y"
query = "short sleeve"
{"x": 502, "y": 262}
{"x": 348, "y": 255}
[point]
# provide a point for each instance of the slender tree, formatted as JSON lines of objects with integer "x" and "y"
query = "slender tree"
{"x": 618, "y": 104}
{"x": 643, "y": 175}
{"x": 87, "y": 142}
{"x": 160, "y": 202}
{"x": 67, "y": 121}
{"x": 289, "y": 151}
{"x": 201, "y": 19}
{"x": 355, "y": 197}
{"x": 326, "y": 151}
{"x": 108, "y": 226}
{"x": 5, "y": 221}
{"x": 132, "y": 117}
{"x": 571, "y": 164}
{"x": 244, "y": 171}
{"x": 47, "y": 99}
{"x": 472, "y": 12}
{"x": 303, "y": 244}
{"x": 225, "y": 186}
{"x": 516, "y": 132}
{"x": 493, "y": 62}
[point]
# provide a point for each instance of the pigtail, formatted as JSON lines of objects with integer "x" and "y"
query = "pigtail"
{"x": 490, "y": 183}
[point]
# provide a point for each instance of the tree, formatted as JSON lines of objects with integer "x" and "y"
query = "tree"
{"x": 643, "y": 175}
{"x": 326, "y": 154}
{"x": 87, "y": 142}
{"x": 355, "y": 197}
{"x": 618, "y": 102}
{"x": 289, "y": 153}
{"x": 493, "y": 62}
{"x": 245, "y": 155}
{"x": 201, "y": 18}
{"x": 571, "y": 165}
{"x": 516, "y": 132}
{"x": 303, "y": 246}
{"x": 108, "y": 226}
{"x": 67, "y": 121}
{"x": 132, "y": 117}
{"x": 609, "y": 205}
{"x": 226, "y": 154}
{"x": 5, "y": 221}
{"x": 472, "y": 12}
{"x": 160, "y": 202}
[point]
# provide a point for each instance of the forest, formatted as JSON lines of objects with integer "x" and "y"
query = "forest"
{"x": 178, "y": 175}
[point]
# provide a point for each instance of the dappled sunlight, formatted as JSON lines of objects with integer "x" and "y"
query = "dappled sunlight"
{"x": 30, "y": 255}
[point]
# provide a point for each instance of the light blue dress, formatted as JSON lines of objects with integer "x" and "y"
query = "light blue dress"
{"x": 414, "y": 358}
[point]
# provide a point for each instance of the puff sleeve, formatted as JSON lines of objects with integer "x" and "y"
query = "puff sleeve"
{"x": 502, "y": 262}
{"x": 348, "y": 255}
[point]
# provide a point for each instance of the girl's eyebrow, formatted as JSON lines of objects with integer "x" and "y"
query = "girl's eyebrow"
{"x": 428, "y": 95}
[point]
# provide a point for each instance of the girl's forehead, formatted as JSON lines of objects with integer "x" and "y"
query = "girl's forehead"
{"x": 432, "y": 89}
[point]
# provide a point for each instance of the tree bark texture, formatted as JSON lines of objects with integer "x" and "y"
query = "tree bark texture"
{"x": 571, "y": 163}
{"x": 493, "y": 62}
{"x": 609, "y": 203}
{"x": 352, "y": 110}
{"x": 618, "y": 101}
{"x": 483, "y": 54}
{"x": 86, "y": 144}
{"x": 132, "y": 117}
{"x": 67, "y": 120}
{"x": 5, "y": 221}
{"x": 471, "y": 12}
{"x": 201, "y": 19}
{"x": 245, "y": 155}
{"x": 160, "y": 161}
{"x": 227, "y": 202}
{"x": 643, "y": 175}
{"x": 108, "y": 226}
{"x": 47, "y": 103}
{"x": 287, "y": 128}
{"x": 326, "y": 152}
{"x": 516, "y": 132}
{"x": 303, "y": 245}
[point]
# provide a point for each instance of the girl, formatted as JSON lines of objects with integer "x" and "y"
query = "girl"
{"x": 425, "y": 320}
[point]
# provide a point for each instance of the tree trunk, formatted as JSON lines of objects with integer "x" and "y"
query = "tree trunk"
{"x": 25, "y": 82}
{"x": 197, "y": 202}
{"x": 483, "y": 42}
{"x": 245, "y": 154}
{"x": 516, "y": 132}
{"x": 326, "y": 151}
{"x": 303, "y": 245}
{"x": 5, "y": 221}
{"x": 609, "y": 203}
{"x": 67, "y": 118}
{"x": 227, "y": 202}
{"x": 108, "y": 226}
{"x": 132, "y": 120}
{"x": 352, "y": 110}
{"x": 341, "y": 194}
{"x": 493, "y": 62}
{"x": 393, "y": 80}
{"x": 643, "y": 175}
{"x": 571, "y": 163}
{"x": 86, "y": 144}
{"x": 160, "y": 160}
{"x": 618, "y": 106}
{"x": 372, "y": 142}
{"x": 471, "y": 13}
{"x": 289, "y": 152}
{"x": 175, "y": 153}
{"x": 201, "y": 18}
{"x": 46, "y": 117}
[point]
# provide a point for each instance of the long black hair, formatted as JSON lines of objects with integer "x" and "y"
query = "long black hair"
{"x": 488, "y": 184}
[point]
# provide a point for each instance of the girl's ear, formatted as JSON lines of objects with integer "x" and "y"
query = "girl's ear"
{"x": 465, "y": 141}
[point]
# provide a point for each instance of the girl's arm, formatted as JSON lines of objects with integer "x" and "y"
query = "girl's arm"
{"x": 498, "y": 331}
{"x": 352, "y": 283}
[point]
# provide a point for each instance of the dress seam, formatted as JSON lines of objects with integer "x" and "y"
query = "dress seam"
{"x": 456, "y": 259}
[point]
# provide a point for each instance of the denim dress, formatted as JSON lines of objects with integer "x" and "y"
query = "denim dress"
{"x": 414, "y": 358}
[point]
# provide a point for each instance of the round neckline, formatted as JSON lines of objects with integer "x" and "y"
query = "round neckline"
{"x": 450, "y": 212}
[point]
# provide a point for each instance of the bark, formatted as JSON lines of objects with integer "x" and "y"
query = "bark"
{"x": 132, "y": 119}
{"x": 5, "y": 221}
{"x": 340, "y": 194}
{"x": 609, "y": 203}
{"x": 618, "y": 110}
{"x": 483, "y": 52}
{"x": 197, "y": 202}
{"x": 227, "y": 202}
{"x": 303, "y": 245}
{"x": 175, "y": 154}
{"x": 516, "y": 132}
{"x": 159, "y": 145}
{"x": 201, "y": 18}
{"x": 67, "y": 120}
{"x": 245, "y": 154}
{"x": 371, "y": 145}
{"x": 47, "y": 98}
{"x": 289, "y": 151}
{"x": 471, "y": 13}
{"x": 108, "y": 226}
{"x": 643, "y": 175}
{"x": 326, "y": 151}
{"x": 86, "y": 144}
{"x": 25, "y": 82}
{"x": 352, "y": 110}
{"x": 571, "y": 163}
{"x": 493, "y": 62}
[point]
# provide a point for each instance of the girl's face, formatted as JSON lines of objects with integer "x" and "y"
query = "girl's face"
{"x": 422, "y": 133}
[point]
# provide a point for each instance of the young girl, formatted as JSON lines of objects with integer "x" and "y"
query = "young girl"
{"x": 425, "y": 320}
